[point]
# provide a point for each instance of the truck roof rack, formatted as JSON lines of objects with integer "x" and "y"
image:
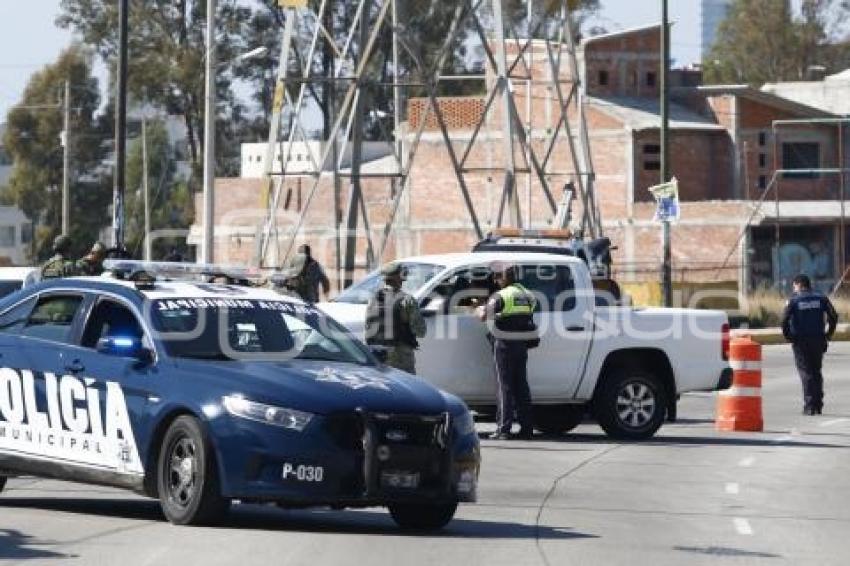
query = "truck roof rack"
{"x": 595, "y": 253}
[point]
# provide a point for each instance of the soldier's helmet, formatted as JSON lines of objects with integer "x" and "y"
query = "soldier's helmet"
{"x": 394, "y": 269}
{"x": 61, "y": 244}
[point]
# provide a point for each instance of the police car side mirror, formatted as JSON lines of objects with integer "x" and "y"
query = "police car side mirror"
{"x": 124, "y": 347}
{"x": 381, "y": 353}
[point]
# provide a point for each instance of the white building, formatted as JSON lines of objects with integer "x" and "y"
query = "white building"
{"x": 712, "y": 13}
{"x": 831, "y": 94}
{"x": 303, "y": 158}
{"x": 15, "y": 236}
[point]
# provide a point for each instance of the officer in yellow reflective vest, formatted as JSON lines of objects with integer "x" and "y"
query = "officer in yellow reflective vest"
{"x": 509, "y": 314}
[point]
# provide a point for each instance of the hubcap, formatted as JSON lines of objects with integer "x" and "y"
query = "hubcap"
{"x": 182, "y": 476}
{"x": 635, "y": 404}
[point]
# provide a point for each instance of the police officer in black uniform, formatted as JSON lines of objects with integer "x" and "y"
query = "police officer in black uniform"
{"x": 511, "y": 311}
{"x": 808, "y": 323}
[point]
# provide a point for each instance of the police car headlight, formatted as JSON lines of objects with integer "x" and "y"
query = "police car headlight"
{"x": 463, "y": 424}
{"x": 268, "y": 414}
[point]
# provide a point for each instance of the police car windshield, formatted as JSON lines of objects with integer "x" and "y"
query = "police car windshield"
{"x": 418, "y": 274}
{"x": 251, "y": 330}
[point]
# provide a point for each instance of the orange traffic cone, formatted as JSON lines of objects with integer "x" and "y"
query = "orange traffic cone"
{"x": 739, "y": 407}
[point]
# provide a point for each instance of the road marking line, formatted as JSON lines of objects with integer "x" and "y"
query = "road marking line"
{"x": 742, "y": 526}
{"x": 833, "y": 422}
{"x": 747, "y": 462}
{"x": 733, "y": 488}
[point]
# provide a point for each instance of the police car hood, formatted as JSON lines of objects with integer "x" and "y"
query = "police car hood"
{"x": 328, "y": 387}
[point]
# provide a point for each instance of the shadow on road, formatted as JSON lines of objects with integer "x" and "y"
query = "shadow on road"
{"x": 670, "y": 440}
{"x": 270, "y": 518}
{"x": 15, "y": 545}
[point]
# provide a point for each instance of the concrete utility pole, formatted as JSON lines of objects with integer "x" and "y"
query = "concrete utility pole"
{"x": 146, "y": 188}
{"x": 66, "y": 161}
{"x": 120, "y": 129}
{"x": 666, "y": 265}
{"x": 209, "y": 138}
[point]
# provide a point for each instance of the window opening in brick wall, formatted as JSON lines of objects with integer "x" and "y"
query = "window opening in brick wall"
{"x": 801, "y": 155}
{"x": 603, "y": 78}
{"x": 762, "y": 139}
{"x": 651, "y": 157}
{"x": 762, "y": 182}
{"x": 762, "y": 160}
{"x": 650, "y": 80}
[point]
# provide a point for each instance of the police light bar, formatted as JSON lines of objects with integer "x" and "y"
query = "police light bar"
{"x": 175, "y": 270}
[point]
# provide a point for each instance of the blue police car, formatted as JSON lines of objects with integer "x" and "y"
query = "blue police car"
{"x": 199, "y": 394}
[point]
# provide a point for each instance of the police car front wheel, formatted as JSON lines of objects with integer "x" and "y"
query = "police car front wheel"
{"x": 187, "y": 479}
{"x": 422, "y": 517}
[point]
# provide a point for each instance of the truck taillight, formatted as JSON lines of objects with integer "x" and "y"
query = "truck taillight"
{"x": 724, "y": 341}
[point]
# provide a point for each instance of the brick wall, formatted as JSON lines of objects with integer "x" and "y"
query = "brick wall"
{"x": 624, "y": 65}
{"x": 459, "y": 112}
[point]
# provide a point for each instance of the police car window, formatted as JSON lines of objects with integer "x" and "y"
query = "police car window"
{"x": 418, "y": 274}
{"x": 110, "y": 319}
{"x": 231, "y": 329}
{"x": 12, "y": 320}
{"x": 9, "y": 286}
{"x": 52, "y": 318}
{"x": 552, "y": 284}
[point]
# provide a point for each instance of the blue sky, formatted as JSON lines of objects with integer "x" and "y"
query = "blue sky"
{"x": 29, "y": 39}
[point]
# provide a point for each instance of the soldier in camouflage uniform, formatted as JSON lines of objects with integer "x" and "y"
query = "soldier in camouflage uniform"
{"x": 92, "y": 263}
{"x": 393, "y": 320}
{"x": 59, "y": 265}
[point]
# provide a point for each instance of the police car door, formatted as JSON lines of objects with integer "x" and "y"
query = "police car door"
{"x": 555, "y": 367}
{"x": 455, "y": 354}
{"x": 45, "y": 411}
{"x": 116, "y": 354}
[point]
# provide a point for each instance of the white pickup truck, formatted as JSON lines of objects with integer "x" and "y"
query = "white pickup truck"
{"x": 627, "y": 365}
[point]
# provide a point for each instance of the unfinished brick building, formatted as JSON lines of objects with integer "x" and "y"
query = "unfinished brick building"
{"x": 725, "y": 150}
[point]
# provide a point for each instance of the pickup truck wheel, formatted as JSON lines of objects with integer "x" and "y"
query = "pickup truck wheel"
{"x": 422, "y": 517}
{"x": 631, "y": 404}
{"x": 188, "y": 485}
{"x": 556, "y": 420}
{"x": 2, "y": 482}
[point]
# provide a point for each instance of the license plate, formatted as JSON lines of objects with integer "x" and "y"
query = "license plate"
{"x": 399, "y": 480}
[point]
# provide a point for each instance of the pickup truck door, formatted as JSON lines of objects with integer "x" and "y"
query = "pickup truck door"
{"x": 564, "y": 319}
{"x": 455, "y": 354}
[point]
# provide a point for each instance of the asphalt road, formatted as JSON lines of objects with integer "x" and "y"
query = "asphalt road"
{"x": 691, "y": 496}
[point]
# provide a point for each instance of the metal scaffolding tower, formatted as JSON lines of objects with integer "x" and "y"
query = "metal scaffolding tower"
{"x": 362, "y": 64}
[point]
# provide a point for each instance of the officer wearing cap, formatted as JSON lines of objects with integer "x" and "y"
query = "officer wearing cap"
{"x": 510, "y": 313}
{"x": 59, "y": 265}
{"x": 393, "y": 320}
{"x": 808, "y": 323}
{"x": 307, "y": 276}
{"x": 92, "y": 263}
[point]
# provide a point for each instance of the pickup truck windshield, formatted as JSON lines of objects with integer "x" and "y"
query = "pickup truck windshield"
{"x": 251, "y": 330}
{"x": 418, "y": 274}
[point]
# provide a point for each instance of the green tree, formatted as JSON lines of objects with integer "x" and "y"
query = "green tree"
{"x": 170, "y": 198}
{"x": 33, "y": 141}
{"x": 167, "y": 48}
{"x": 761, "y": 41}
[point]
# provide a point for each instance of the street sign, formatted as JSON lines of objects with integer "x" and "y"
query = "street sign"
{"x": 667, "y": 198}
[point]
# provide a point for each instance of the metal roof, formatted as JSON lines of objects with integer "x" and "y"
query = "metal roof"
{"x": 644, "y": 114}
